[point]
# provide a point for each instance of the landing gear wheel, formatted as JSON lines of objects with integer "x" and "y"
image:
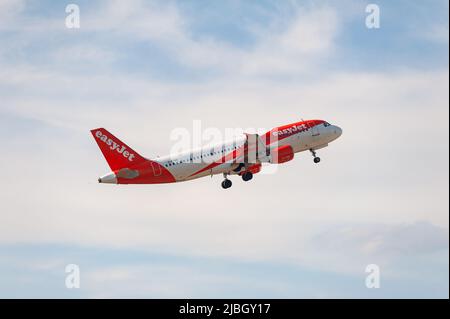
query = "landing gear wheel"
{"x": 226, "y": 184}
{"x": 247, "y": 176}
{"x": 316, "y": 158}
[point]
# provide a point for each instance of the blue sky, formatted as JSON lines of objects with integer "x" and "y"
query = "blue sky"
{"x": 144, "y": 68}
{"x": 409, "y": 36}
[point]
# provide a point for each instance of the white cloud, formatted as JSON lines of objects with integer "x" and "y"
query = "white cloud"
{"x": 9, "y": 10}
{"x": 151, "y": 281}
{"x": 297, "y": 48}
{"x": 83, "y": 54}
{"x": 312, "y": 32}
{"x": 437, "y": 33}
{"x": 286, "y": 50}
{"x": 72, "y": 205}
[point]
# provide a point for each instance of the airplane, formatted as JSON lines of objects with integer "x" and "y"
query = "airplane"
{"x": 241, "y": 156}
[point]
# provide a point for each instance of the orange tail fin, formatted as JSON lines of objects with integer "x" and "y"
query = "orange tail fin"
{"x": 117, "y": 154}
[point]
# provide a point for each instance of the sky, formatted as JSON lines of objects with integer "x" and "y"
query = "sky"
{"x": 142, "y": 69}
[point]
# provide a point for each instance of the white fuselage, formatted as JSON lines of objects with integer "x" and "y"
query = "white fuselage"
{"x": 213, "y": 159}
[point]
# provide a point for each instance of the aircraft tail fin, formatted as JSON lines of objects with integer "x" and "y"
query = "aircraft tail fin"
{"x": 117, "y": 154}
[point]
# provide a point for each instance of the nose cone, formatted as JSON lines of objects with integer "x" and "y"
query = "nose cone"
{"x": 108, "y": 179}
{"x": 337, "y": 131}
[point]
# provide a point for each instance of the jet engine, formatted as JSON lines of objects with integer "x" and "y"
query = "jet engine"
{"x": 281, "y": 154}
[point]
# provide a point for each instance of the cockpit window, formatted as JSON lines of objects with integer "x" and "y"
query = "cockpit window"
{"x": 326, "y": 124}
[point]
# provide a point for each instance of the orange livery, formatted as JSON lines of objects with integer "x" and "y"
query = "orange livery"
{"x": 243, "y": 156}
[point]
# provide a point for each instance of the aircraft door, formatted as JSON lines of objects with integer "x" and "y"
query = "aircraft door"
{"x": 156, "y": 169}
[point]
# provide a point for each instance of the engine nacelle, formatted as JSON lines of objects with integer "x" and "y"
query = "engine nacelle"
{"x": 255, "y": 169}
{"x": 281, "y": 154}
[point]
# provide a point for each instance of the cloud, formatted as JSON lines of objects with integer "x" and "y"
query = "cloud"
{"x": 437, "y": 33}
{"x": 382, "y": 244}
{"x": 83, "y": 54}
{"x": 308, "y": 38}
{"x": 345, "y": 99}
{"x": 9, "y": 10}
{"x": 285, "y": 46}
{"x": 330, "y": 265}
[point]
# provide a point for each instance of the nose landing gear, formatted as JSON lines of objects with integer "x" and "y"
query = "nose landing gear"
{"x": 316, "y": 158}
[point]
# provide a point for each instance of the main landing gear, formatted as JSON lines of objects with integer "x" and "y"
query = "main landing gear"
{"x": 316, "y": 158}
{"x": 226, "y": 182}
{"x": 247, "y": 176}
